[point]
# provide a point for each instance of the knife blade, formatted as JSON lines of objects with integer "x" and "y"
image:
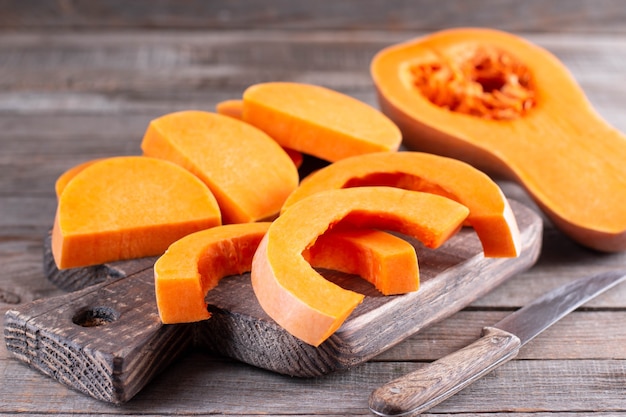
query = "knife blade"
{"x": 426, "y": 387}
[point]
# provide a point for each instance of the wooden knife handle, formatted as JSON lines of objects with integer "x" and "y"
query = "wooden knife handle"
{"x": 420, "y": 390}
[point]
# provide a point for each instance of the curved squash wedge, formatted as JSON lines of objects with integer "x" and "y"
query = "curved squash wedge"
{"x": 490, "y": 214}
{"x": 194, "y": 265}
{"x": 382, "y": 259}
{"x": 318, "y": 121}
{"x": 300, "y": 299}
{"x": 511, "y": 108}
{"x": 128, "y": 207}
{"x": 247, "y": 171}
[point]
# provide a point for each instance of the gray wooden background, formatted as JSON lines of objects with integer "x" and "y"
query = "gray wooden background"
{"x": 81, "y": 79}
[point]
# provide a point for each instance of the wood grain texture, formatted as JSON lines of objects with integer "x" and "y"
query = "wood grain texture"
{"x": 78, "y": 82}
{"x": 80, "y": 340}
{"x": 530, "y": 15}
{"x": 200, "y": 384}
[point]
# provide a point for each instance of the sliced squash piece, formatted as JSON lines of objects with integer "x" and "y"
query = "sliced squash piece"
{"x": 300, "y": 299}
{"x": 384, "y": 260}
{"x": 128, "y": 207}
{"x": 490, "y": 213}
{"x": 194, "y": 265}
{"x": 247, "y": 171}
{"x": 318, "y": 121}
{"x": 67, "y": 176}
{"x": 234, "y": 108}
{"x": 511, "y": 109}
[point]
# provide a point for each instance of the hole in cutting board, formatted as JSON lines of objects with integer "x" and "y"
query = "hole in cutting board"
{"x": 95, "y": 316}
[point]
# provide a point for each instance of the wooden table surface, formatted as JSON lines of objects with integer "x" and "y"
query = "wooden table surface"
{"x": 81, "y": 80}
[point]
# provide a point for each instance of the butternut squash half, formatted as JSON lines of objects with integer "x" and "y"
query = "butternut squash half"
{"x": 247, "y": 171}
{"x": 296, "y": 296}
{"x": 128, "y": 207}
{"x": 318, "y": 121}
{"x": 512, "y": 109}
{"x": 490, "y": 214}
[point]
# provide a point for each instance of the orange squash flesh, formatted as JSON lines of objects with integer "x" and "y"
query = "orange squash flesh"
{"x": 248, "y": 172}
{"x": 234, "y": 109}
{"x": 512, "y": 109}
{"x": 300, "y": 299}
{"x": 128, "y": 207}
{"x": 318, "y": 121}
{"x": 386, "y": 261}
{"x": 194, "y": 265}
{"x": 490, "y": 213}
{"x": 67, "y": 176}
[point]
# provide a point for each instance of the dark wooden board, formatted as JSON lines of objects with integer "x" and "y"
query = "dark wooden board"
{"x": 106, "y": 339}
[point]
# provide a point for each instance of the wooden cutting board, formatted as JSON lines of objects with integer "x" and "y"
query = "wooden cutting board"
{"x": 105, "y": 339}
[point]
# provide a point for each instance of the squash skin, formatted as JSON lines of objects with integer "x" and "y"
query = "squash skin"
{"x": 490, "y": 213}
{"x": 300, "y": 299}
{"x": 546, "y": 151}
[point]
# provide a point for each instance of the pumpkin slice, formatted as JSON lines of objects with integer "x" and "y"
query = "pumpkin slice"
{"x": 318, "y": 121}
{"x": 384, "y": 260}
{"x": 67, "y": 176}
{"x": 234, "y": 109}
{"x": 247, "y": 171}
{"x": 128, "y": 207}
{"x": 512, "y": 109}
{"x": 490, "y": 213}
{"x": 194, "y": 265}
{"x": 300, "y": 299}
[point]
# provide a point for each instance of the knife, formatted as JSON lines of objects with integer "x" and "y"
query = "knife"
{"x": 420, "y": 390}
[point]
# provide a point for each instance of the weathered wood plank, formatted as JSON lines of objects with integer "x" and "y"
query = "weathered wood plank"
{"x": 22, "y": 279}
{"x": 153, "y": 63}
{"x": 530, "y": 15}
{"x": 603, "y": 333}
{"x": 26, "y": 217}
{"x": 201, "y": 384}
{"x": 548, "y": 414}
{"x": 115, "y": 76}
